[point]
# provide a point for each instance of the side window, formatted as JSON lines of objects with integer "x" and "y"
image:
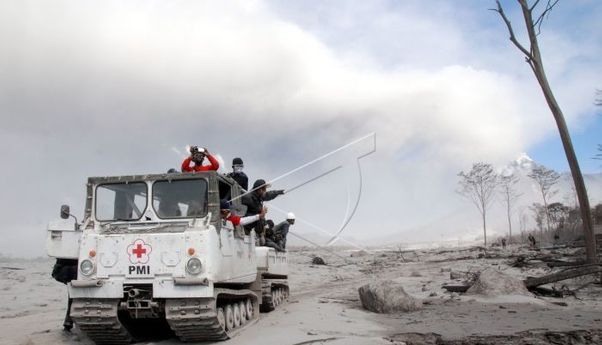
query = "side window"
{"x": 225, "y": 191}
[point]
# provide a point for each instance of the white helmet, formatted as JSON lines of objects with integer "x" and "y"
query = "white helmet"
{"x": 290, "y": 216}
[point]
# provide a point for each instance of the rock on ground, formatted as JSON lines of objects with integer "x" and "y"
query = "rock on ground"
{"x": 318, "y": 261}
{"x": 492, "y": 282}
{"x": 387, "y": 296}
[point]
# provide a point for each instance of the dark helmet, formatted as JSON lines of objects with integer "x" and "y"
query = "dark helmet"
{"x": 224, "y": 205}
{"x": 237, "y": 161}
{"x": 172, "y": 171}
{"x": 258, "y": 183}
{"x": 270, "y": 223}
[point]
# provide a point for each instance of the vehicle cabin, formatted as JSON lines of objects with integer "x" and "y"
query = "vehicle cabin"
{"x": 159, "y": 198}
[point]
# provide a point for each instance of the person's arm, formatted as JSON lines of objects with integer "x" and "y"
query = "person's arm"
{"x": 271, "y": 195}
{"x": 214, "y": 163}
{"x": 248, "y": 220}
{"x": 186, "y": 165}
{"x": 234, "y": 219}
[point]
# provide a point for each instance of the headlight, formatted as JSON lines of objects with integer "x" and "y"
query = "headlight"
{"x": 86, "y": 267}
{"x": 194, "y": 266}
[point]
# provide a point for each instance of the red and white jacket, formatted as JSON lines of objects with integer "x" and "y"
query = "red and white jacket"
{"x": 187, "y": 162}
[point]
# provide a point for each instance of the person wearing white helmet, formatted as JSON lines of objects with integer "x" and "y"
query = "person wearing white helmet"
{"x": 281, "y": 230}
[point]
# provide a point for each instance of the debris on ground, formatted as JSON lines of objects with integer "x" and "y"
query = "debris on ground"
{"x": 574, "y": 272}
{"x": 539, "y": 337}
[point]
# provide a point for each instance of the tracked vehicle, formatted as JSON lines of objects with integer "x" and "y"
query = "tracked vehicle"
{"x": 154, "y": 250}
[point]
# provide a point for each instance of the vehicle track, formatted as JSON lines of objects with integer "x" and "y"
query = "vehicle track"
{"x": 208, "y": 319}
{"x": 98, "y": 319}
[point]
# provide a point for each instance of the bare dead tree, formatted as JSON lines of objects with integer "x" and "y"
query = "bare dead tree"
{"x": 533, "y": 58}
{"x": 539, "y": 215}
{"x": 478, "y": 185}
{"x": 522, "y": 222}
{"x": 509, "y": 194}
{"x": 546, "y": 179}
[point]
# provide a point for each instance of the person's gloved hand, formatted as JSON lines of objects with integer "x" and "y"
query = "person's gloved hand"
{"x": 264, "y": 210}
{"x": 280, "y": 192}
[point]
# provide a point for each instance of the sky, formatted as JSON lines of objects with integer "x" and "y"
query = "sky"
{"x": 92, "y": 88}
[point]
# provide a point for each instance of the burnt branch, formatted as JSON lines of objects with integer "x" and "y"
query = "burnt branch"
{"x": 513, "y": 39}
{"x": 549, "y": 6}
{"x": 534, "y": 5}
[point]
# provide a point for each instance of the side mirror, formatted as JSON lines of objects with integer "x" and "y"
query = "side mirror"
{"x": 65, "y": 211}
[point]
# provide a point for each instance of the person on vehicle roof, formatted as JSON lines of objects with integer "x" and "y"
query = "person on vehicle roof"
{"x": 236, "y": 220}
{"x": 254, "y": 201}
{"x": 238, "y": 175}
{"x": 271, "y": 239}
{"x": 197, "y": 156}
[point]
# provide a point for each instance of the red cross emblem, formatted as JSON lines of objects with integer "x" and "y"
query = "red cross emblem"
{"x": 138, "y": 252}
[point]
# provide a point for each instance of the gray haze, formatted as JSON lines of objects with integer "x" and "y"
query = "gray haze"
{"x": 108, "y": 88}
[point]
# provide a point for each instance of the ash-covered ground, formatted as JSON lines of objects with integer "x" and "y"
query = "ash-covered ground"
{"x": 324, "y": 307}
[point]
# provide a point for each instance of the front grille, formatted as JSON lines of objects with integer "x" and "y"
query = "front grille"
{"x": 139, "y": 303}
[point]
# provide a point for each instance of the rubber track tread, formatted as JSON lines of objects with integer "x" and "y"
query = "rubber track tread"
{"x": 267, "y": 287}
{"x": 195, "y": 319}
{"x": 97, "y": 318}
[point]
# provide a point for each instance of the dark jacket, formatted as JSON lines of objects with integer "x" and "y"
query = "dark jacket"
{"x": 281, "y": 230}
{"x": 254, "y": 202}
{"x": 240, "y": 178}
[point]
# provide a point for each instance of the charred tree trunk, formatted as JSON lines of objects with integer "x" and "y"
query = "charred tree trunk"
{"x": 533, "y": 58}
{"x": 484, "y": 214}
{"x": 509, "y": 225}
{"x": 532, "y": 282}
{"x": 540, "y": 74}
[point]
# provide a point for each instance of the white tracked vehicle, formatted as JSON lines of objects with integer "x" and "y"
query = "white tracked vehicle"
{"x": 153, "y": 249}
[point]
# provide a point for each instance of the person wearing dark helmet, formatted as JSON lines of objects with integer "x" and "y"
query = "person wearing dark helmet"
{"x": 238, "y": 175}
{"x": 197, "y": 156}
{"x": 254, "y": 201}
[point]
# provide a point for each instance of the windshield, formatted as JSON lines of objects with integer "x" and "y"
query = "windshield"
{"x": 120, "y": 201}
{"x": 180, "y": 198}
